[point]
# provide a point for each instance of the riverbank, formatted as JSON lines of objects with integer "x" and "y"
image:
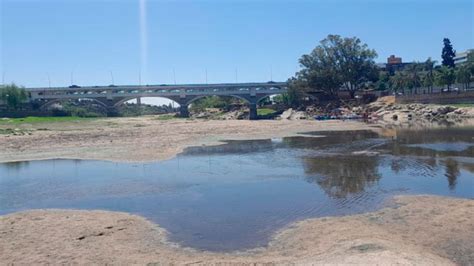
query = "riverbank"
{"x": 140, "y": 139}
{"x": 412, "y": 230}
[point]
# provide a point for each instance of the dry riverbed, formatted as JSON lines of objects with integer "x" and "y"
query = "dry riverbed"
{"x": 141, "y": 138}
{"x": 416, "y": 230}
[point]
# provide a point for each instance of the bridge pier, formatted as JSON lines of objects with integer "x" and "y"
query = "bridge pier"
{"x": 139, "y": 101}
{"x": 252, "y": 111}
{"x": 183, "y": 110}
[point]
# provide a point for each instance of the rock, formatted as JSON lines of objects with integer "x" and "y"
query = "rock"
{"x": 291, "y": 114}
{"x": 287, "y": 114}
{"x": 445, "y": 109}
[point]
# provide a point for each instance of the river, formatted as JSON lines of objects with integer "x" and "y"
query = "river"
{"x": 236, "y": 195}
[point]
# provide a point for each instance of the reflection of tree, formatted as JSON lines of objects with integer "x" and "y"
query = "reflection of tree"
{"x": 452, "y": 172}
{"x": 340, "y": 176}
{"x": 16, "y": 165}
{"x": 396, "y": 166}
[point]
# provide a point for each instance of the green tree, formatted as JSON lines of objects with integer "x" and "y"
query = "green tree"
{"x": 383, "y": 83}
{"x": 445, "y": 76}
{"x": 463, "y": 76}
{"x": 338, "y": 62}
{"x": 398, "y": 81}
{"x": 413, "y": 76}
{"x": 357, "y": 65}
{"x": 320, "y": 70}
{"x": 428, "y": 79}
{"x": 295, "y": 94}
{"x": 13, "y": 96}
{"x": 448, "y": 53}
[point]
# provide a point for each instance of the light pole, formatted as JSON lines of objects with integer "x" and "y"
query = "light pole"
{"x": 112, "y": 77}
{"x": 174, "y": 76}
{"x": 49, "y": 80}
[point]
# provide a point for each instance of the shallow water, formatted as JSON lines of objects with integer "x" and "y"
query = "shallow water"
{"x": 235, "y": 196}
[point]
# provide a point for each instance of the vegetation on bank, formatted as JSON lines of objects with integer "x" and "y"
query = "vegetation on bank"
{"x": 166, "y": 117}
{"x": 13, "y": 96}
{"x": 41, "y": 119}
{"x": 265, "y": 111}
{"x": 462, "y": 105}
{"x": 221, "y": 102}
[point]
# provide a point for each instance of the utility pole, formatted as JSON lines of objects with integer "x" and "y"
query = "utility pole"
{"x": 271, "y": 73}
{"x": 49, "y": 80}
{"x": 72, "y": 78}
{"x": 174, "y": 76}
{"x": 139, "y": 77}
{"x": 236, "y": 79}
{"x": 206, "y": 75}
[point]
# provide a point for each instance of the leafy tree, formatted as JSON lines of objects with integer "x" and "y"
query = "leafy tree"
{"x": 320, "y": 70}
{"x": 357, "y": 63}
{"x": 398, "y": 81}
{"x": 445, "y": 76}
{"x": 383, "y": 83}
{"x": 296, "y": 92}
{"x": 338, "y": 62}
{"x": 463, "y": 76}
{"x": 413, "y": 76}
{"x": 448, "y": 53}
{"x": 428, "y": 79}
{"x": 13, "y": 95}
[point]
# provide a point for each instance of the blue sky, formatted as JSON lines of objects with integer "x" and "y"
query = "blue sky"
{"x": 256, "y": 39}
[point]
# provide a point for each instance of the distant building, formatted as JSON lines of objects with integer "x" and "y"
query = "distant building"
{"x": 461, "y": 57}
{"x": 393, "y": 64}
{"x": 393, "y": 60}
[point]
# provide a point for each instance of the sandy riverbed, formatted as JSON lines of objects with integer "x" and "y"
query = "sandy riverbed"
{"x": 143, "y": 138}
{"x": 415, "y": 230}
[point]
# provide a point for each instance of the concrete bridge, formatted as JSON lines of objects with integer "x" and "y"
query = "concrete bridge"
{"x": 112, "y": 96}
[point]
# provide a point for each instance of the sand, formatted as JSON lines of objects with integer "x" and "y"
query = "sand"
{"x": 413, "y": 230}
{"x": 143, "y": 139}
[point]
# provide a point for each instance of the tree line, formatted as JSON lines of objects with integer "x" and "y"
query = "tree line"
{"x": 341, "y": 63}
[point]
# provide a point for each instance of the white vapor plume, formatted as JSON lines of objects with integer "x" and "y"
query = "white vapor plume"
{"x": 143, "y": 41}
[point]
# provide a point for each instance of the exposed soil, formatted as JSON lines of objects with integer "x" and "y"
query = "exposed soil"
{"x": 142, "y": 138}
{"x": 413, "y": 230}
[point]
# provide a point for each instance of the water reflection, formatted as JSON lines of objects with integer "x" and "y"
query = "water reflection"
{"x": 16, "y": 165}
{"x": 452, "y": 172}
{"x": 341, "y": 176}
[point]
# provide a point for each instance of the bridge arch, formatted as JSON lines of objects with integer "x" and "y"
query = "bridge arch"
{"x": 126, "y": 99}
{"x": 260, "y": 98}
{"x": 204, "y": 96}
{"x": 49, "y": 103}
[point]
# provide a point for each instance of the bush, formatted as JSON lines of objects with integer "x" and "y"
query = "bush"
{"x": 13, "y": 96}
